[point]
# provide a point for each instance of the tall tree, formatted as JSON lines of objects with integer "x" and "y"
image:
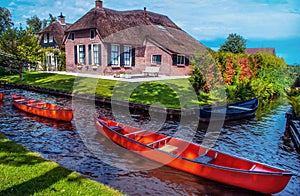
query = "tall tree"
{"x": 20, "y": 48}
{"x": 35, "y": 24}
{"x": 51, "y": 18}
{"x": 5, "y": 19}
{"x": 234, "y": 43}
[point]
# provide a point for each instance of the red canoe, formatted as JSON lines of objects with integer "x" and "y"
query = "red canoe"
{"x": 1, "y": 96}
{"x": 42, "y": 109}
{"x": 196, "y": 159}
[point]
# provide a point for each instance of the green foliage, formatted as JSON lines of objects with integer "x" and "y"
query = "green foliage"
{"x": 20, "y": 47}
{"x": 234, "y": 43}
{"x": 61, "y": 58}
{"x": 5, "y": 19}
{"x": 198, "y": 80}
{"x": 35, "y": 24}
{"x": 293, "y": 96}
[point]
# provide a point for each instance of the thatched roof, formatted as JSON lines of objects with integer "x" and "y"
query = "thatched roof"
{"x": 57, "y": 30}
{"x": 134, "y": 27}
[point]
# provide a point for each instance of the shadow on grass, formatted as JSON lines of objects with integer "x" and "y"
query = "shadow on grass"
{"x": 39, "y": 183}
{"x": 15, "y": 155}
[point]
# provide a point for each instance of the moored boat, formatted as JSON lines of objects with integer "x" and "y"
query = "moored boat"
{"x": 195, "y": 159}
{"x": 43, "y": 109}
{"x": 1, "y": 96}
{"x": 235, "y": 111}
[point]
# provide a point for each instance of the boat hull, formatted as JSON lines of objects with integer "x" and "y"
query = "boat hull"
{"x": 42, "y": 109}
{"x": 256, "y": 180}
{"x": 237, "y": 111}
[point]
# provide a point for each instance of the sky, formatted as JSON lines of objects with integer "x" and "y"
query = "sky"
{"x": 263, "y": 23}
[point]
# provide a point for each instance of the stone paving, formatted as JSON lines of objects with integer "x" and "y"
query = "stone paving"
{"x": 134, "y": 77}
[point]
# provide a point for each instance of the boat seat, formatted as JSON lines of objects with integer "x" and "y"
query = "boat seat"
{"x": 203, "y": 159}
{"x": 168, "y": 148}
{"x": 115, "y": 128}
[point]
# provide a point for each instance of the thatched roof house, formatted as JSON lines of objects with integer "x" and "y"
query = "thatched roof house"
{"x": 128, "y": 40}
{"x": 52, "y": 35}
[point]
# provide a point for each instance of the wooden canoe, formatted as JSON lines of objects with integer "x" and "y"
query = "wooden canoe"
{"x": 1, "y": 96}
{"x": 43, "y": 109}
{"x": 236, "y": 111}
{"x": 195, "y": 159}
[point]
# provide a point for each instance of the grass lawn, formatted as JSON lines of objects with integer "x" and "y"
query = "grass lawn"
{"x": 26, "y": 173}
{"x": 169, "y": 93}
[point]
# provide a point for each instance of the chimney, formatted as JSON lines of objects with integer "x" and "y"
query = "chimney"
{"x": 145, "y": 11}
{"x": 61, "y": 19}
{"x": 99, "y": 3}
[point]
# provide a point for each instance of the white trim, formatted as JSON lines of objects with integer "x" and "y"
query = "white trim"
{"x": 119, "y": 60}
{"x": 130, "y": 55}
{"x": 183, "y": 56}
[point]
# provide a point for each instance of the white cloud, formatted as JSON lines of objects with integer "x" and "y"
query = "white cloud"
{"x": 203, "y": 19}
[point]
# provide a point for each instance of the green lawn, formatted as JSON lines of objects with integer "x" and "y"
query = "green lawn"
{"x": 169, "y": 93}
{"x": 26, "y": 173}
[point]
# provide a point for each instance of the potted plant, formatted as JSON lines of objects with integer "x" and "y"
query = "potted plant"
{"x": 128, "y": 75}
{"x": 94, "y": 67}
{"x": 79, "y": 65}
{"x": 122, "y": 74}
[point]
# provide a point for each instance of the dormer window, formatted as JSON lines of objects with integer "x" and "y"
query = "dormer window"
{"x": 92, "y": 34}
{"x": 50, "y": 38}
{"x": 45, "y": 39}
{"x": 73, "y": 36}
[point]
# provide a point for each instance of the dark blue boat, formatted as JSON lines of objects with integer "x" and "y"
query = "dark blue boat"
{"x": 235, "y": 111}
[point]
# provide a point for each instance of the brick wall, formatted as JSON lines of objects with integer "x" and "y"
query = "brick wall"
{"x": 83, "y": 38}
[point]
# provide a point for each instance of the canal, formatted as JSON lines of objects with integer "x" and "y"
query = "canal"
{"x": 79, "y": 147}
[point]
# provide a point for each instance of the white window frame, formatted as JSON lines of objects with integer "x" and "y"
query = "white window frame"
{"x": 179, "y": 56}
{"x": 45, "y": 39}
{"x": 127, "y": 56}
{"x": 80, "y": 57}
{"x": 51, "y": 38}
{"x": 95, "y": 54}
{"x": 155, "y": 62}
{"x": 115, "y": 61}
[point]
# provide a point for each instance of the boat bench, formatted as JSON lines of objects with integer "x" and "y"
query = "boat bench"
{"x": 151, "y": 70}
{"x": 204, "y": 158}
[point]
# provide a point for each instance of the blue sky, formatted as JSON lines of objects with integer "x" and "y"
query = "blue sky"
{"x": 263, "y": 23}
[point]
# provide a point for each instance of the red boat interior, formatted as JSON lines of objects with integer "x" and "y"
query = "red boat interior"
{"x": 37, "y": 104}
{"x": 185, "y": 149}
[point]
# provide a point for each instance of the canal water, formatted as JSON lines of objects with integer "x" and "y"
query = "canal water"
{"x": 79, "y": 147}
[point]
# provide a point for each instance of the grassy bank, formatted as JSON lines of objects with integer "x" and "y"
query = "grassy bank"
{"x": 170, "y": 93}
{"x": 26, "y": 173}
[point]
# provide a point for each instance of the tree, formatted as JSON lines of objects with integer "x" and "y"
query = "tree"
{"x": 5, "y": 19}
{"x": 35, "y": 24}
{"x": 234, "y": 43}
{"x": 20, "y": 48}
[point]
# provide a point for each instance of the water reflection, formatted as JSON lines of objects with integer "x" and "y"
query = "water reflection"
{"x": 259, "y": 139}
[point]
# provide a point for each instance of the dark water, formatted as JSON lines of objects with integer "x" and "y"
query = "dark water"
{"x": 79, "y": 147}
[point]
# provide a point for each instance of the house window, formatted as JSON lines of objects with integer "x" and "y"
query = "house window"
{"x": 45, "y": 38}
{"x": 156, "y": 60}
{"x": 180, "y": 59}
{"x": 92, "y": 34}
{"x": 81, "y": 55}
{"x": 50, "y": 38}
{"x": 96, "y": 54}
{"x": 72, "y": 36}
{"x": 127, "y": 56}
{"x": 115, "y": 49}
